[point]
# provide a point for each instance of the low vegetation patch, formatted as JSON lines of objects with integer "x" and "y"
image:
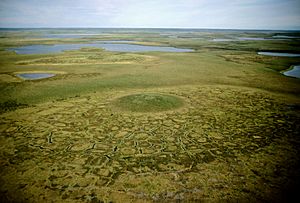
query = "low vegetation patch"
{"x": 10, "y": 105}
{"x": 148, "y": 102}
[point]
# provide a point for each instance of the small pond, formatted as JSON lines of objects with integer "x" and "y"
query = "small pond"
{"x": 107, "y": 45}
{"x": 252, "y": 39}
{"x": 241, "y": 39}
{"x": 266, "y": 53}
{"x": 222, "y": 40}
{"x": 115, "y": 41}
{"x": 34, "y": 76}
{"x": 294, "y": 72}
{"x": 286, "y": 37}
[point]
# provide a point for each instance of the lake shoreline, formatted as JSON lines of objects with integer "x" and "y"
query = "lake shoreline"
{"x": 292, "y": 69}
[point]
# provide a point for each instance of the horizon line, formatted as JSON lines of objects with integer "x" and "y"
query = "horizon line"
{"x": 182, "y": 28}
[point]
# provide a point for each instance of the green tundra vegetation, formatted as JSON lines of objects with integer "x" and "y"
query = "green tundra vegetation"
{"x": 220, "y": 123}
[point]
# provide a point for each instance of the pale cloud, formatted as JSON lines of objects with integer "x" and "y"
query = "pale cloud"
{"x": 255, "y": 14}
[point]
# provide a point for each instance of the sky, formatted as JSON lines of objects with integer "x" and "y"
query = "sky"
{"x": 224, "y": 14}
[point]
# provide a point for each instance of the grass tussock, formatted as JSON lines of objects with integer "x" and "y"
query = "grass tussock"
{"x": 86, "y": 56}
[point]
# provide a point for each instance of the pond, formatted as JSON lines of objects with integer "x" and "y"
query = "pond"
{"x": 58, "y": 36}
{"x": 115, "y": 41}
{"x": 266, "y": 53}
{"x": 241, "y": 39}
{"x": 222, "y": 40}
{"x": 34, "y": 76}
{"x": 294, "y": 72}
{"x": 286, "y": 37}
{"x": 107, "y": 45}
{"x": 252, "y": 39}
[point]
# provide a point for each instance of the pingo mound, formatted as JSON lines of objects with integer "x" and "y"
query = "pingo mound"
{"x": 148, "y": 102}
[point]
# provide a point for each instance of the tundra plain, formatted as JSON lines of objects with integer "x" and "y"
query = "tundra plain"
{"x": 220, "y": 123}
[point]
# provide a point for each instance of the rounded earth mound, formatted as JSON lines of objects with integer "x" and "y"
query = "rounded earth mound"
{"x": 148, "y": 102}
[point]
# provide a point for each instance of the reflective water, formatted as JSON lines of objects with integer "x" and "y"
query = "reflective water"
{"x": 295, "y": 72}
{"x": 115, "y": 41}
{"x": 57, "y": 36}
{"x": 252, "y": 38}
{"x": 286, "y": 37}
{"x": 266, "y": 53}
{"x": 223, "y": 40}
{"x": 241, "y": 39}
{"x": 108, "y": 45}
{"x": 35, "y": 76}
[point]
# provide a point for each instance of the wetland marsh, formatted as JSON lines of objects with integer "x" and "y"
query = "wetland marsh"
{"x": 218, "y": 123}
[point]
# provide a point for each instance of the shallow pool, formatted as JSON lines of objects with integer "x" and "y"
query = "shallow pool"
{"x": 223, "y": 40}
{"x": 286, "y": 37}
{"x": 34, "y": 76}
{"x": 294, "y": 72}
{"x": 266, "y": 53}
{"x": 252, "y": 39}
{"x": 119, "y": 46}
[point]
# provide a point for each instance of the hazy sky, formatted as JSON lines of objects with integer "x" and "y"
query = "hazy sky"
{"x": 242, "y": 14}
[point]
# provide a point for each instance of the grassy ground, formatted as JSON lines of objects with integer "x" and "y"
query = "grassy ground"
{"x": 225, "y": 124}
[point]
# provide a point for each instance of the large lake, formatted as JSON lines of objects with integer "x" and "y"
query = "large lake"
{"x": 107, "y": 45}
